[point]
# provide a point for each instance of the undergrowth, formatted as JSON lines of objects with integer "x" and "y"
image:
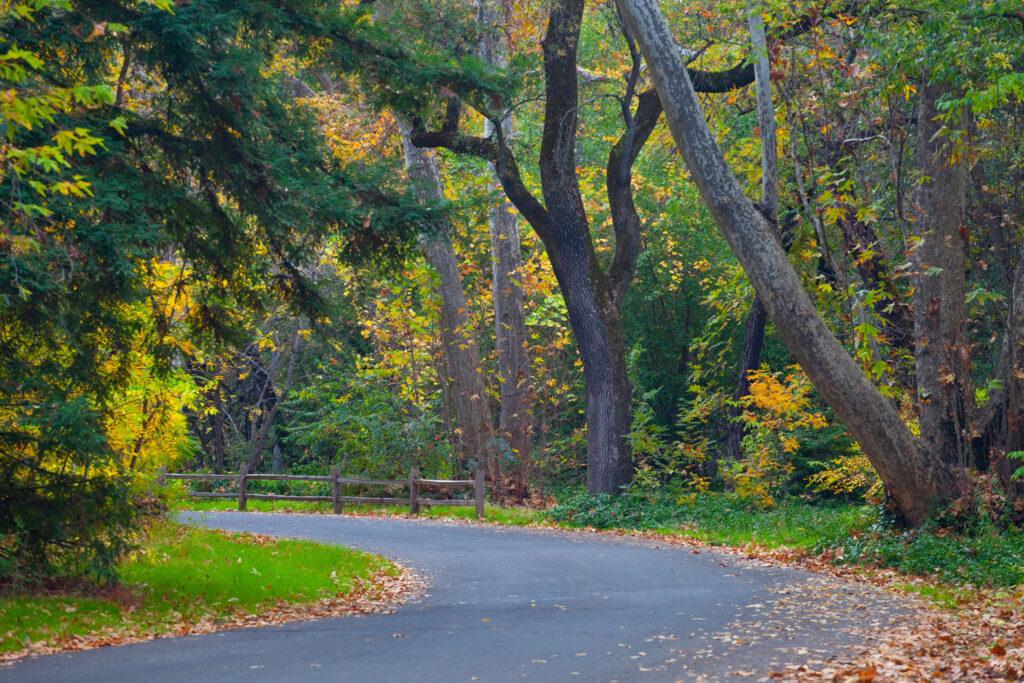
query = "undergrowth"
{"x": 712, "y": 517}
{"x": 982, "y": 553}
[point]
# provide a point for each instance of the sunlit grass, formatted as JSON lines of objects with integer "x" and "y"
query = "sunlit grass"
{"x": 492, "y": 513}
{"x": 184, "y": 574}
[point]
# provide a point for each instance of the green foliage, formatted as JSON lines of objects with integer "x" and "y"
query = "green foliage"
{"x": 148, "y": 137}
{"x": 369, "y": 430}
{"x": 713, "y": 517}
{"x": 1017, "y": 455}
{"x": 605, "y": 511}
{"x": 977, "y": 540}
{"x": 987, "y": 554}
{"x": 62, "y": 522}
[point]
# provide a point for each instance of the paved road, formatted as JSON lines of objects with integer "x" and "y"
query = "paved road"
{"x": 507, "y": 605}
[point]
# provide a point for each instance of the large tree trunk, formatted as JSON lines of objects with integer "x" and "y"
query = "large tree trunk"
{"x": 591, "y": 303}
{"x": 509, "y": 313}
{"x": 915, "y": 482}
{"x": 472, "y": 405}
{"x": 945, "y": 393}
{"x": 593, "y": 296}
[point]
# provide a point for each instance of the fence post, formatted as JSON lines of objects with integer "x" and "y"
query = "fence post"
{"x": 414, "y": 491}
{"x": 478, "y": 492}
{"x": 161, "y": 480}
{"x": 243, "y": 485}
{"x": 336, "y": 489}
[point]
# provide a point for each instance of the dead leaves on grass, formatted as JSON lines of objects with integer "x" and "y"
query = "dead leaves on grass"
{"x": 380, "y": 593}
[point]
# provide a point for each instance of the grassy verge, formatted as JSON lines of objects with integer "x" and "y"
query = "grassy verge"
{"x": 988, "y": 556}
{"x": 183, "y": 578}
{"x": 492, "y": 513}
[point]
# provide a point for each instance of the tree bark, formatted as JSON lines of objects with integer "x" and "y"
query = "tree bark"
{"x": 1001, "y": 421}
{"x": 515, "y": 421}
{"x": 592, "y": 308}
{"x": 472, "y": 405}
{"x": 945, "y": 396}
{"x": 916, "y": 482}
{"x": 217, "y": 426}
{"x": 750, "y": 359}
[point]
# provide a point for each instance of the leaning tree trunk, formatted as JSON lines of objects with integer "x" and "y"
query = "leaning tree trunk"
{"x": 916, "y": 481}
{"x": 472, "y": 405}
{"x": 507, "y": 292}
{"x": 945, "y": 393}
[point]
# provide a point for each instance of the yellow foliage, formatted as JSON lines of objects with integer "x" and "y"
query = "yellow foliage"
{"x": 147, "y": 427}
{"x": 774, "y": 412}
{"x": 849, "y": 474}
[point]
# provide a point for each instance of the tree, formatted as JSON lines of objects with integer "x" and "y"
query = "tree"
{"x": 506, "y": 287}
{"x": 916, "y": 480}
{"x": 757, "y": 318}
{"x": 472, "y": 403}
{"x": 593, "y": 291}
{"x": 209, "y": 168}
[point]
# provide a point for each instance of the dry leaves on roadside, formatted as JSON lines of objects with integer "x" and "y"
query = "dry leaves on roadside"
{"x": 381, "y": 592}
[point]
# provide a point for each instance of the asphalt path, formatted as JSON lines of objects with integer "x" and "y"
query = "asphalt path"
{"x": 509, "y": 604}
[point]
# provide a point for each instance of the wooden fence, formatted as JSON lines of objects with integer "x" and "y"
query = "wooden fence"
{"x": 414, "y": 501}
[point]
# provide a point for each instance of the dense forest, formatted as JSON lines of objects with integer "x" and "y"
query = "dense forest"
{"x": 769, "y": 249}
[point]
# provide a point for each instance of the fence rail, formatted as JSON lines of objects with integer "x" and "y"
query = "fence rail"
{"x": 414, "y": 501}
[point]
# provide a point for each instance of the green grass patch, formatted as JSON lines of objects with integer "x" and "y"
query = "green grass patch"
{"x": 943, "y": 596}
{"x": 492, "y": 513}
{"x": 215, "y": 504}
{"x": 182, "y": 575}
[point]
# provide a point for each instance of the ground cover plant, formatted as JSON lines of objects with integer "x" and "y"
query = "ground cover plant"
{"x": 184, "y": 579}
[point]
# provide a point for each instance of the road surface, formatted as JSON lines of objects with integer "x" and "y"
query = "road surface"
{"x": 507, "y": 605}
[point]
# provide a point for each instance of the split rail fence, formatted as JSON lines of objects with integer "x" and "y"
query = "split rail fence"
{"x": 414, "y": 482}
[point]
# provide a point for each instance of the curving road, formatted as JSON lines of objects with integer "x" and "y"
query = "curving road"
{"x": 507, "y": 604}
